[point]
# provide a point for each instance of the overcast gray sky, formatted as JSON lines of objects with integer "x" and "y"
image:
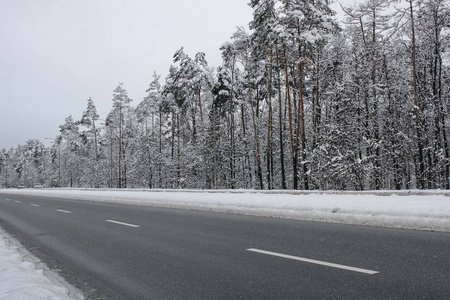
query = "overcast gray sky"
{"x": 55, "y": 54}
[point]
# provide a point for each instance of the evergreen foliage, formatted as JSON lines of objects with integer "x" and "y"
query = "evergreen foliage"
{"x": 300, "y": 102}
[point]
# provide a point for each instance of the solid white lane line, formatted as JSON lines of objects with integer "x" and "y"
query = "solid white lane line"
{"x": 317, "y": 262}
{"x": 64, "y": 211}
{"x": 124, "y": 224}
{"x": 36, "y": 205}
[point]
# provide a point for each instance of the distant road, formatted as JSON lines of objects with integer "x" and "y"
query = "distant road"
{"x": 115, "y": 251}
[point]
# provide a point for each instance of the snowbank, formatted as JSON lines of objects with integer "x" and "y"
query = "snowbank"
{"x": 23, "y": 277}
{"x": 422, "y": 210}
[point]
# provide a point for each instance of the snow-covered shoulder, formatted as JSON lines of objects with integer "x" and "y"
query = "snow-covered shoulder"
{"x": 422, "y": 210}
{"x": 23, "y": 277}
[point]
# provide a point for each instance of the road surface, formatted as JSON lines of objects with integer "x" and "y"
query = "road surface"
{"x": 114, "y": 251}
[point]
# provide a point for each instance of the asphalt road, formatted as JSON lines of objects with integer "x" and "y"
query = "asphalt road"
{"x": 113, "y": 251}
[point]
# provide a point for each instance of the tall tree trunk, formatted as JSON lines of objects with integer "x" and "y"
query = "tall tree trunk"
{"x": 178, "y": 153}
{"x": 421, "y": 172}
{"x": 96, "y": 184}
{"x": 174, "y": 120}
{"x": 255, "y": 134}
{"x": 301, "y": 131}
{"x": 280, "y": 124}
{"x": 124, "y": 177}
{"x": 375, "y": 116}
{"x": 291, "y": 129}
{"x": 111, "y": 161}
{"x": 160, "y": 148}
{"x": 120, "y": 146}
{"x": 269, "y": 126}
{"x": 200, "y": 103}
{"x": 316, "y": 103}
{"x": 246, "y": 170}
{"x": 215, "y": 137}
{"x": 231, "y": 127}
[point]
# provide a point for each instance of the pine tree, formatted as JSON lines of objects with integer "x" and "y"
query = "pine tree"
{"x": 121, "y": 102}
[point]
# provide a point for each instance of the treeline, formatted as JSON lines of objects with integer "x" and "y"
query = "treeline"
{"x": 300, "y": 102}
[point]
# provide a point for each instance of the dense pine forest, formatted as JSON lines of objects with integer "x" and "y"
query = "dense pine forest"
{"x": 301, "y": 101}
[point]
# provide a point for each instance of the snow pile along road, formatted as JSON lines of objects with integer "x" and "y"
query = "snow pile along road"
{"x": 422, "y": 210}
{"x": 23, "y": 277}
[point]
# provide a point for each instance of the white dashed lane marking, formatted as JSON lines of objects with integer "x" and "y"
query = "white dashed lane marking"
{"x": 313, "y": 261}
{"x": 122, "y": 223}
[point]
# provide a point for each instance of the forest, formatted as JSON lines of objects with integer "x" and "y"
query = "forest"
{"x": 301, "y": 101}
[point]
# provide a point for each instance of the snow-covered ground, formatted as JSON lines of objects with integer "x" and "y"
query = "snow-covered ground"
{"x": 23, "y": 277}
{"x": 422, "y": 210}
